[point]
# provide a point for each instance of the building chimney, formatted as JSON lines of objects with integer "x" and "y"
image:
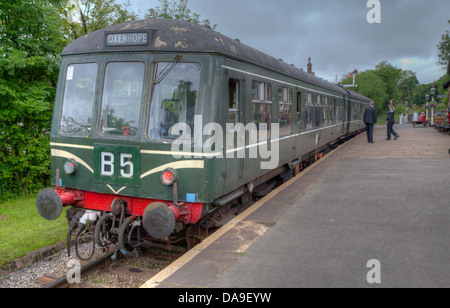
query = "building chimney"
{"x": 310, "y": 67}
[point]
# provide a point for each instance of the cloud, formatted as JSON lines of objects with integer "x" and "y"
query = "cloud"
{"x": 313, "y": 17}
{"x": 406, "y": 62}
{"x": 436, "y": 68}
{"x": 426, "y": 68}
{"x": 334, "y": 33}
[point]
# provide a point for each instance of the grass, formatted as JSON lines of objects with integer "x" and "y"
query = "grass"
{"x": 22, "y": 229}
{"x": 381, "y": 119}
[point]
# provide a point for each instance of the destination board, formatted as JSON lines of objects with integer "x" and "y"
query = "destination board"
{"x": 127, "y": 39}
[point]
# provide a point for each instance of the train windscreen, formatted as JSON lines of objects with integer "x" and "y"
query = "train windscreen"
{"x": 122, "y": 99}
{"x": 174, "y": 99}
{"x": 78, "y": 101}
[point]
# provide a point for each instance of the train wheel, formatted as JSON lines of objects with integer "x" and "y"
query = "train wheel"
{"x": 195, "y": 235}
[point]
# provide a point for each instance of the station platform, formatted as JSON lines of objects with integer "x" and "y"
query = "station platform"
{"x": 387, "y": 202}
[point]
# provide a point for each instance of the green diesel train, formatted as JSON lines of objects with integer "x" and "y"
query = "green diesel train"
{"x": 159, "y": 124}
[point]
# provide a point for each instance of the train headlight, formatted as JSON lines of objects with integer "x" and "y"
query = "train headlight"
{"x": 70, "y": 166}
{"x": 169, "y": 176}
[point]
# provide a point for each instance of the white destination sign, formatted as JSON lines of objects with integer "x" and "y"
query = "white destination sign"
{"x": 127, "y": 39}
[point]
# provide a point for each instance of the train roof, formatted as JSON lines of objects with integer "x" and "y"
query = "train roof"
{"x": 168, "y": 35}
{"x": 359, "y": 97}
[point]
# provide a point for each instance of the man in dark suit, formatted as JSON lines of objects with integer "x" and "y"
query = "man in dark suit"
{"x": 390, "y": 122}
{"x": 370, "y": 118}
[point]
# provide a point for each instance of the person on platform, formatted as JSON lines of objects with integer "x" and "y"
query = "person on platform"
{"x": 370, "y": 118}
{"x": 391, "y": 121}
{"x": 422, "y": 117}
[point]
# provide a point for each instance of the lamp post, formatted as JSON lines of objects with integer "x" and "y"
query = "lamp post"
{"x": 433, "y": 92}
{"x": 427, "y": 98}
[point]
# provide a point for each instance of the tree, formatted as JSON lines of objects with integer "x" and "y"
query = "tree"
{"x": 386, "y": 82}
{"x": 444, "y": 48}
{"x": 93, "y": 15}
{"x": 32, "y": 35}
{"x": 177, "y": 10}
{"x": 407, "y": 83}
{"x": 370, "y": 85}
{"x": 30, "y": 44}
{"x": 424, "y": 89}
{"x": 391, "y": 77}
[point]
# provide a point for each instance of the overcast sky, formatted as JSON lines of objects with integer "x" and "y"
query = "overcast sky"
{"x": 334, "y": 33}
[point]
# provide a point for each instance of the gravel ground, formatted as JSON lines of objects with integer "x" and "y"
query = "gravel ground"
{"x": 54, "y": 266}
{"x": 130, "y": 273}
{"x": 123, "y": 273}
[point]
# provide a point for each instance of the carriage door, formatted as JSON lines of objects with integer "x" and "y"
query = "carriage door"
{"x": 349, "y": 114}
{"x": 300, "y": 118}
{"x": 235, "y": 145}
{"x": 345, "y": 116}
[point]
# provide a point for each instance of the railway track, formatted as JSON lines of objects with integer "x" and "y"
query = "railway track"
{"x": 123, "y": 272}
{"x": 84, "y": 271}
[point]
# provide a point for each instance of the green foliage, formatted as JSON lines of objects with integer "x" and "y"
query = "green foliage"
{"x": 177, "y": 9}
{"x": 407, "y": 83}
{"x": 421, "y": 90}
{"x": 371, "y": 85}
{"x": 444, "y": 48}
{"x": 391, "y": 77}
{"x": 387, "y": 82}
{"x": 29, "y": 62}
{"x": 92, "y": 15}
{"x": 32, "y": 35}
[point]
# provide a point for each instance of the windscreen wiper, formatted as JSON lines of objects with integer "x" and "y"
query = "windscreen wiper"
{"x": 157, "y": 79}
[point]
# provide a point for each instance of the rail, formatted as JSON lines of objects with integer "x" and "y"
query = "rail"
{"x": 62, "y": 283}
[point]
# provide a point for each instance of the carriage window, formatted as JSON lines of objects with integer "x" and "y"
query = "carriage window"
{"x": 233, "y": 103}
{"x": 261, "y": 91}
{"x": 340, "y": 111}
{"x": 355, "y": 111}
{"x": 328, "y": 111}
{"x": 285, "y": 102}
{"x": 299, "y": 103}
{"x": 300, "y": 122}
{"x": 318, "y": 112}
{"x": 262, "y": 117}
{"x": 334, "y": 111}
{"x": 78, "y": 102}
{"x": 318, "y": 100}
{"x": 122, "y": 99}
{"x": 262, "y": 106}
{"x": 358, "y": 114}
{"x": 309, "y": 112}
{"x": 174, "y": 101}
